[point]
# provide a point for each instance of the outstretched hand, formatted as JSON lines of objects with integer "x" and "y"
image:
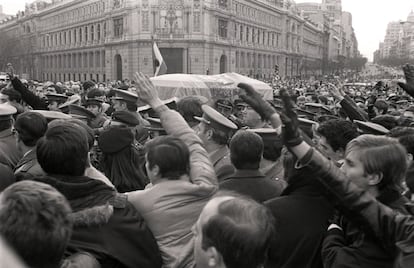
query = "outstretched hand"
{"x": 408, "y": 86}
{"x": 146, "y": 90}
{"x": 290, "y": 129}
{"x": 252, "y": 98}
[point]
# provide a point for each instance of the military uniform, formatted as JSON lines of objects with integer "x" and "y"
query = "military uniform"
{"x": 9, "y": 154}
{"x": 220, "y": 157}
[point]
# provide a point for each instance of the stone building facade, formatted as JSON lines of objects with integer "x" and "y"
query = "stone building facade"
{"x": 112, "y": 39}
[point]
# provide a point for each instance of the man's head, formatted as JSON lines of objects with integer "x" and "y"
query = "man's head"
{"x": 166, "y": 158}
{"x": 30, "y": 127}
{"x": 214, "y": 128}
{"x": 124, "y": 100}
{"x": 232, "y": 232}
{"x": 63, "y": 150}
{"x": 248, "y": 115}
{"x": 375, "y": 162}
{"x": 333, "y": 136}
{"x": 246, "y": 150}
{"x": 34, "y": 220}
{"x": 10, "y": 95}
{"x": 189, "y": 107}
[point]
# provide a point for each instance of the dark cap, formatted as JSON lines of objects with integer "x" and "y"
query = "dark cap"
{"x": 80, "y": 112}
{"x": 155, "y": 125}
{"x": 52, "y": 115}
{"x": 240, "y": 102}
{"x": 325, "y": 117}
{"x": 95, "y": 93}
{"x": 215, "y": 119}
{"x": 371, "y": 128}
{"x": 224, "y": 103}
{"x": 93, "y": 101}
{"x": 6, "y": 111}
{"x": 56, "y": 97}
{"x": 268, "y": 135}
{"x": 125, "y": 95}
{"x": 126, "y": 117}
{"x": 305, "y": 114}
{"x": 307, "y": 126}
{"x": 317, "y": 108}
{"x": 72, "y": 100}
{"x": 170, "y": 103}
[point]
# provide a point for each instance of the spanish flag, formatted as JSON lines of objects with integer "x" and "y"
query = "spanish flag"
{"x": 160, "y": 67}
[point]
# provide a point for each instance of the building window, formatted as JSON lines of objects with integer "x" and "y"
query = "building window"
{"x": 80, "y": 35}
{"x": 118, "y": 27}
{"x": 86, "y": 33}
{"x": 98, "y": 32}
{"x": 92, "y": 33}
{"x": 247, "y": 34}
{"x": 222, "y": 24}
{"x": 241, "y": 33}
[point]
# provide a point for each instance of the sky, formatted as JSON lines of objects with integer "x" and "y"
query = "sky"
{"x": 370, "y": 18}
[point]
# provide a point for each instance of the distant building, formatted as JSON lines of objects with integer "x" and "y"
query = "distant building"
{"x": 111, "y": 39}
{"x": 398, "y": 40}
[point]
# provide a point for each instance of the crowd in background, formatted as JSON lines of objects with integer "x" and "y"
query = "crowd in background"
{"x": 109, "y": 175}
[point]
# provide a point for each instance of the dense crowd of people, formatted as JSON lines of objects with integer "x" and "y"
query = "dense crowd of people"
{"x": 109, "y": 175}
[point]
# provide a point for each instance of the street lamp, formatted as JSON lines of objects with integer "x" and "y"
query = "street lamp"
{"x": 171, "y": 17}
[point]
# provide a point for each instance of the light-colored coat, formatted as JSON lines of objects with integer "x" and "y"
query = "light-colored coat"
{"x": 171, "y": 208}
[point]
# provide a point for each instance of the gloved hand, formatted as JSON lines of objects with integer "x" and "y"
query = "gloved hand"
{"x": 290, "y": 130}
{"x": 263, "y": 108}
{"x": 409, "y": 78}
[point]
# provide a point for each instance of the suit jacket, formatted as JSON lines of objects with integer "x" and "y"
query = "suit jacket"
{"x": 28, "y": 166}
{"x": 302, "y": 215}
{"x": 220, "y": 159}
{"x": 9, "y": 154}
{"x": 172, "y": 207}
{"x": 254, "y": 184}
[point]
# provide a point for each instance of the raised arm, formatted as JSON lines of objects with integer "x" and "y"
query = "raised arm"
{"x": 201, "y": 169}
{"x": 389, "y": 226}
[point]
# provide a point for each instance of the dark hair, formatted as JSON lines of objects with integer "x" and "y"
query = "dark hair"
{"x": 189, "y": 107}
{"x": 6, "y": 124}
{"x": 88, "y": 84}
{"x": 246, "y": 149}
{"x": 385, "y": 120}
{"x": 35, "y": 221}
{"x": 13, "y": 94}
{"x": 31, "y": 127}
{"x": 170, "y": 154}
{"x": 408, "y": 142}
{"x": 219, "y": 136}
{"x": 382, "y": 106}
{"x": 400, "y": 131}
{"x": 272, "y": 150}
{"x": 338, "y": 132}
{"x": 63, "y": 150}
{"x": 241, "y": 232}
{"x": 124, "y": 165}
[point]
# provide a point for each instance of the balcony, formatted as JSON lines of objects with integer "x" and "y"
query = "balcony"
{"x": 166, "y": 33}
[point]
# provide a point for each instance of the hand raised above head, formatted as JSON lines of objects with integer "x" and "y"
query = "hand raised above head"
{"x": 253, "y": 98}
{"x": 408, "y": 86}
{"x": 146, "y": 90}
{"x": 290, "y": 130}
